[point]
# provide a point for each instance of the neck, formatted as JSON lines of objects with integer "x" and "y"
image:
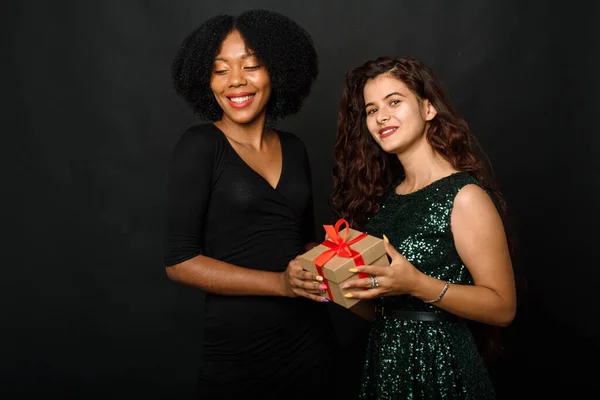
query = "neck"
{"x": 423, "y": 165}
{"x": 249, "y": 134}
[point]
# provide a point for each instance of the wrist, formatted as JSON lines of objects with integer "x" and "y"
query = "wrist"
{"x": 417, "y": 283}
{"x": 283, "y": 289}
{"x": 430, "y": 289}
{"x": 441, "y": 295}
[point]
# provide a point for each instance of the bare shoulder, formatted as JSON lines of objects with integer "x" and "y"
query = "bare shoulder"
{"x": 472, "y": 197}
{"x": 473, "y": 205}
{"x": 477, "y": 228}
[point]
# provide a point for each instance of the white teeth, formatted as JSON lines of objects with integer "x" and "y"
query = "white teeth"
{"x": 388, "y": 131}
{"x": 241, "y": 99}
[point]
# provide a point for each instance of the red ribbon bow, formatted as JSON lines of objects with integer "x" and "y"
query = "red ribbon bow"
{"x": 339, "y": 246}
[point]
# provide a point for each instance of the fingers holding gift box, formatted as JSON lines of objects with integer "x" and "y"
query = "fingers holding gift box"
{"x": 400, "y": 277}
{"x": 343, "y": 250}
{"x": 299, "y": 283}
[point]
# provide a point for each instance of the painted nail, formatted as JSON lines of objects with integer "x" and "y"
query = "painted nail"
{"x": 348, "y": 295}
{"x": 385, "y": 239}
{"x": 324, "y": 300}
{"x": 353, "y": 270}
{"x": 319, "y": 278}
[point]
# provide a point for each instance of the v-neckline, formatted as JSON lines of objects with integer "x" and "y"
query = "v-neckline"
{"x": 252, "y": 169}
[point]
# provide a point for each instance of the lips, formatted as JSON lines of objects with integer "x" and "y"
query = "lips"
{"x": 240, "y": 100}
{"x": 387, "y": 131}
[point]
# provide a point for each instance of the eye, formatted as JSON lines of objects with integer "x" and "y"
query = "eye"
{"x": 220, "y": 71}
{"x": 252, "y": 67}
{"x": 371, "y": 111}
{"x": 394, "y": 102}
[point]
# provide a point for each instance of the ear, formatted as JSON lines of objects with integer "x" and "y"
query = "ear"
{"x": 430, "y": 111}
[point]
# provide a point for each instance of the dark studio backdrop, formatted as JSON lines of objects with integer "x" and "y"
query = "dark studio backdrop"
{"x": 89, "y": 119}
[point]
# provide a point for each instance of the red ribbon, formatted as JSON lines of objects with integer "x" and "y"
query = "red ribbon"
{"x": 341, "y": 247}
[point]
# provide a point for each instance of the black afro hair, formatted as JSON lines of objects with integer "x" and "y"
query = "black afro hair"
{"x": 285, "y": 49}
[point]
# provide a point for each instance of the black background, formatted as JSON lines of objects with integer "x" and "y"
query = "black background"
{"x": 89, "y": 120}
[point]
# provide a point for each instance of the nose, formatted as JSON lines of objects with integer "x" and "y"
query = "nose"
{"x": 382, "y": 118}
{"x": 237, "y": 78}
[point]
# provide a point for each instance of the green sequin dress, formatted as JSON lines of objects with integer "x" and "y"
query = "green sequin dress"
{"x": 409, "y": 359}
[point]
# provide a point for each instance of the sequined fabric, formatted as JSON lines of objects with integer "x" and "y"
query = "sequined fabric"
{"x": 414, "y": 359}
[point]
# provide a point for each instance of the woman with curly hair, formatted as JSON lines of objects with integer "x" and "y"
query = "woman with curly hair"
{"x": 240, "y": 208}
{"x": 406, "y": 171}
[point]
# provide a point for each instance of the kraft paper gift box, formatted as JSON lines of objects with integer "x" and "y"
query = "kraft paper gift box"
{"x": 343, "y": 250}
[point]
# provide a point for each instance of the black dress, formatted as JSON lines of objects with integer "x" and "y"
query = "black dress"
{"x": 221, "y": 208}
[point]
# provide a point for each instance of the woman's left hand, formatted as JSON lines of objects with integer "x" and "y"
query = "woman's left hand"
{"x": 400, "y": 277}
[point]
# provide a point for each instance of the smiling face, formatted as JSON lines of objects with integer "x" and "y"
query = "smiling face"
{"x": 396, "y": 117}
{"x": 239, "y": 82}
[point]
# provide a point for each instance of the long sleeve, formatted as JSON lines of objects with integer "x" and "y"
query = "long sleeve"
{"x": 188, "y": 194}
{"x": 308, "y": 218}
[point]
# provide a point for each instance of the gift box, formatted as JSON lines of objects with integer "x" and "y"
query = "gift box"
{"x": 344, "y": 249}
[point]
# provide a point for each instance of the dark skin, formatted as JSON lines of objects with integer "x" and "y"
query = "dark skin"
{"x": 238, "y": 73}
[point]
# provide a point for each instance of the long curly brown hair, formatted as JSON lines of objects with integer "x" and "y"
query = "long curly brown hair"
{"x": 363, "y": 173}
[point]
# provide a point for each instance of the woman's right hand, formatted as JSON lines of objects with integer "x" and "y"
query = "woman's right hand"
{"x": 297, "y": 282}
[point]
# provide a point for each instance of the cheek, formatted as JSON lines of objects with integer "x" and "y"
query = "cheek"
{"x": 260, "y": 80}
{"x": 372, "y": 127}
{"x": 267, "y": 90}
{"x": 214, "y": 84}
{"x": 411, "y": 117}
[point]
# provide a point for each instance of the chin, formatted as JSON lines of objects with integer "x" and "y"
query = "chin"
{"x": 243, "y": 118}
{"x": 390, "y": 148}
{"x": 242, "y": 121}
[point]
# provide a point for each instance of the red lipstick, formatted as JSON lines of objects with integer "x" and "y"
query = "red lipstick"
{"x": 240, "y": 104}
{"x": 387, "y": 131}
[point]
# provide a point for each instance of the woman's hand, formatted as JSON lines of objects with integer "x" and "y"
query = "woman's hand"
{"x": 400, "y": 277}
{"x": 298, "y": 282}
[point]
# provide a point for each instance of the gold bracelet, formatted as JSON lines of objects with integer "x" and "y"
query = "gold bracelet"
{"x": 442, "y": 293}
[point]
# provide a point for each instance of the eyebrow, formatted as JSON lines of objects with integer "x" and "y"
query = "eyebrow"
{"x": 388, "y": 96}
{"x": 244, "y": 56}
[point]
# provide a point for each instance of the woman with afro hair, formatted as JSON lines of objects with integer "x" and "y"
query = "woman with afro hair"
{"x": 407, "y": 171}
{"x": 240, "y": 209}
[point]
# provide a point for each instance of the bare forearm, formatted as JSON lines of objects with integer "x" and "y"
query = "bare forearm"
{"x": 472, "y": 302}
{"x": 218, "y": 277}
